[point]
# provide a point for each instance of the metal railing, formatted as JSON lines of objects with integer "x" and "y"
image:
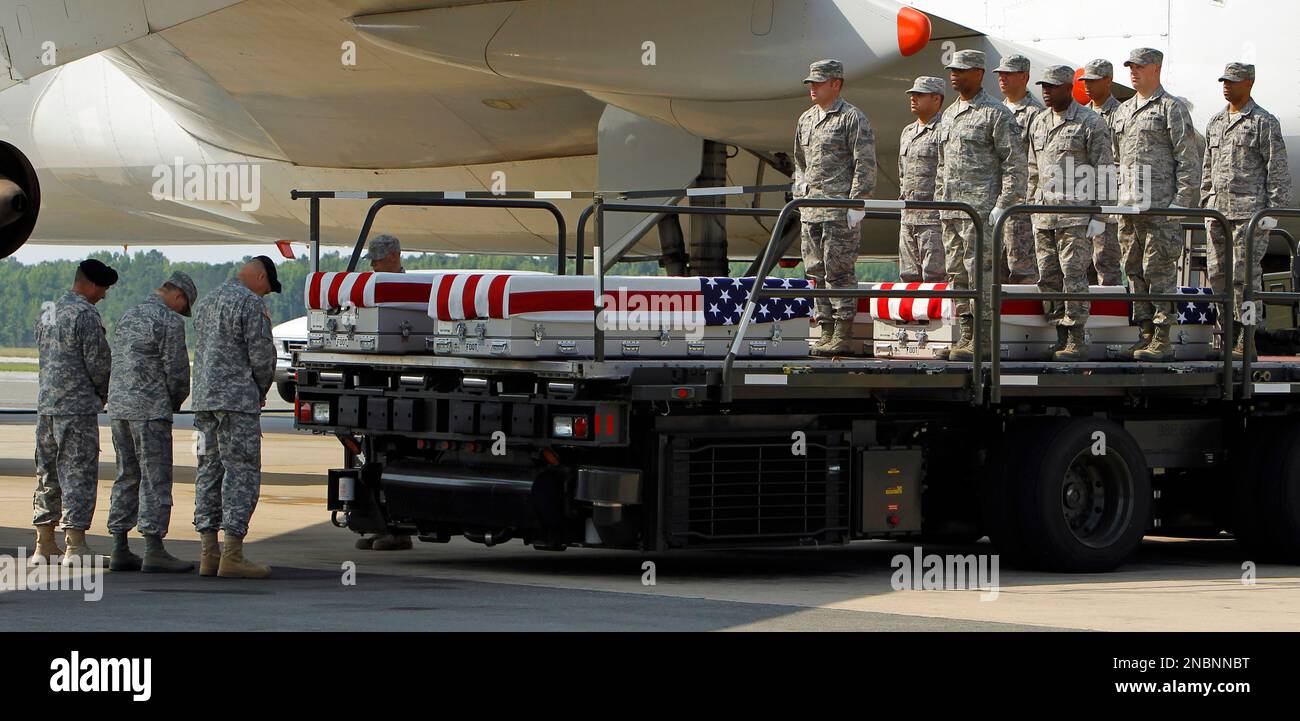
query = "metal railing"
{"x": 1249, "y": 294}
{"x": 873, "y": 209}
{"x": 1225, "y": 302}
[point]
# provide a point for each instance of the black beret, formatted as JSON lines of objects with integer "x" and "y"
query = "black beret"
{"x": 98, "y": 273}
{"x": 271, "y": 275}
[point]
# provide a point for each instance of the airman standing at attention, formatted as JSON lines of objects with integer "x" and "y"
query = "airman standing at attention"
{"x": 1160, "y": 166}
{"x": 920, "y": 241}
{"x": 75, "y": 364}
{"x": 1066, "y": 146}
{"x": 835, "y": 157}
{"x": 981, "y": 162}
{"x": 1245, "y": 171}
{"x": 1098, "y": 77}
{"x": 1019, "y": 266}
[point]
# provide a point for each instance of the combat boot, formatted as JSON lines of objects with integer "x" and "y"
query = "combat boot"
{"x": 1239, "y": 347}
{"x": 46, "y": 547}
{"x": 1062, "y": 339}
{"x": 827, "y": 330}
{"x": 210, "y": 555}
{"x": 1160, "y": 349}
{"x": 122, "y": 559}
{"x": 158, "y": 560}
{"x": 1147, "y": 329}
{"x": 75, "y": 540}
{"x": 839, "y": 344}
{"x": 1076, "y": 346}
{"x": 392, "y": 542}
{"x": 366, "y": 543}
{"x": 964, "y": 351}
{"x": 966, "y": 325}
{"x": 233, "y": 563}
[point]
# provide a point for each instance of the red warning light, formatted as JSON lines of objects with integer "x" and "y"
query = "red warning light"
{"x": 913, "y": 31}
{"x": 1080, "y": 92}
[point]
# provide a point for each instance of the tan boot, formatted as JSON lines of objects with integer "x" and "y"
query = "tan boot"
{"x": 840, "y": 343}
{"x": 391, "y": 542}
{"x": 233, "y": 563}
{"x": 47, "y": 549}
{"x": 827, "y": 330}
{"x": 964, "y": 351}
{"x": 210, "y": 554}
{"x": 966, "y": 326}
{"x": 1160, "y": 349}
{"x": 1239, "y": 347}
{"x": 1076, "y": 346}
{"x": 75, "y": 539}
{"x": 1147, "y": 331}
{"x": 1062, "y": 340}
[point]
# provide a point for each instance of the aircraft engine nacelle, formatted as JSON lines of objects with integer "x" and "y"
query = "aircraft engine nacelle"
{"x": 20, "y": 199}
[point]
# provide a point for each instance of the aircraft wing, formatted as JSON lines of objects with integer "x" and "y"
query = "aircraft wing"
{"x": 40, "y": 36}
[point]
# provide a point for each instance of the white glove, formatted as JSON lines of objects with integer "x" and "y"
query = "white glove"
{"x": 1268, "y": 223}
{"x": 800, "y": 189}
{"x": 855, "y": 218}
{"x": 996, "y": 215}
{"x": 1096, "y": 228}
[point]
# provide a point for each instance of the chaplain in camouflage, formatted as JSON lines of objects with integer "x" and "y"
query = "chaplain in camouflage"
{"x": 1019, "y": 264}
{"x": 234, "y": 366}
{"x": 1067, "y": 144}
{"x": 75, "y": 364}
{"x": 1160, "y": 166}
{"x": 920, "y": 241}
{"x": 1098, "y": 78}
{"x": 981, "y": 162}
{"x": 151, "y": 379}
{"x": 1245, "y": 171}
{"x": 835, "y": 157}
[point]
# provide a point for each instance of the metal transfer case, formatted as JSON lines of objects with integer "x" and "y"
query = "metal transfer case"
{"x": 369, "y": 312}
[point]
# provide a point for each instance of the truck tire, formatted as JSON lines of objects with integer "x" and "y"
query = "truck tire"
{"x": 1080, "y": 511}
{"x": 1000, "y": 518}
{"x": 288, "y": 391}
{"x": 1275, "y": 517}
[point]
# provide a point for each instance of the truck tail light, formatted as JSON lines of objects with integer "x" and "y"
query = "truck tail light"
{"x": 320, "y": 413}
{"x": 304, "y": 412}
{"x": 569, "y": 426}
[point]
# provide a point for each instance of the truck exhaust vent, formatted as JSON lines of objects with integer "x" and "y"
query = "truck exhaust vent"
{"x": 723, "y": 490}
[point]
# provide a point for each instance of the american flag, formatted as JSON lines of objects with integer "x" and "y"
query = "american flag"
{"x": 327, "y": 291}
{"x": 1196, "y": 312}
{"x": 725, "y": 300}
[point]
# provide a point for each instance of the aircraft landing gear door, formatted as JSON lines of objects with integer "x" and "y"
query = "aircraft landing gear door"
{"x": 891, "y": 490}
{"x": 761, "y": 21}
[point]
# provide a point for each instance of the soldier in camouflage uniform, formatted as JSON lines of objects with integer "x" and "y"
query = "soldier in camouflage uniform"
{"x": 1098, "y": 77}
{"x": 1067, "y": 144}
{"x": 835, "y": 157}
{"x": 385, "y": 256}
{"x": 920, "y": 240}
{"x": 75, "y": 363}
{"x": 1019, "y": 264}
{"x": 981, "y": 162}
{"x": 1245, "y": 171}
{"x": 1154, "y": 138}
{"x": 234, "y": 366}
{"x": 151, "y": 379}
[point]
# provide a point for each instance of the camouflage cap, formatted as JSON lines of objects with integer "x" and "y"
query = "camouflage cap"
{"x": 823, "y": 70}
{"x": 928, "y": 84}
{"x": 184, "y": 283}
{"x": 1145, "y": 56}
{"x": 1013, "y": 64}
{"x": 382, "y": 246}
{"x": 967, "y": 60}
{"x": 1236, "y": 72}
{"x": 1098, "y": 69}
{"x": 1057, "y": 75}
